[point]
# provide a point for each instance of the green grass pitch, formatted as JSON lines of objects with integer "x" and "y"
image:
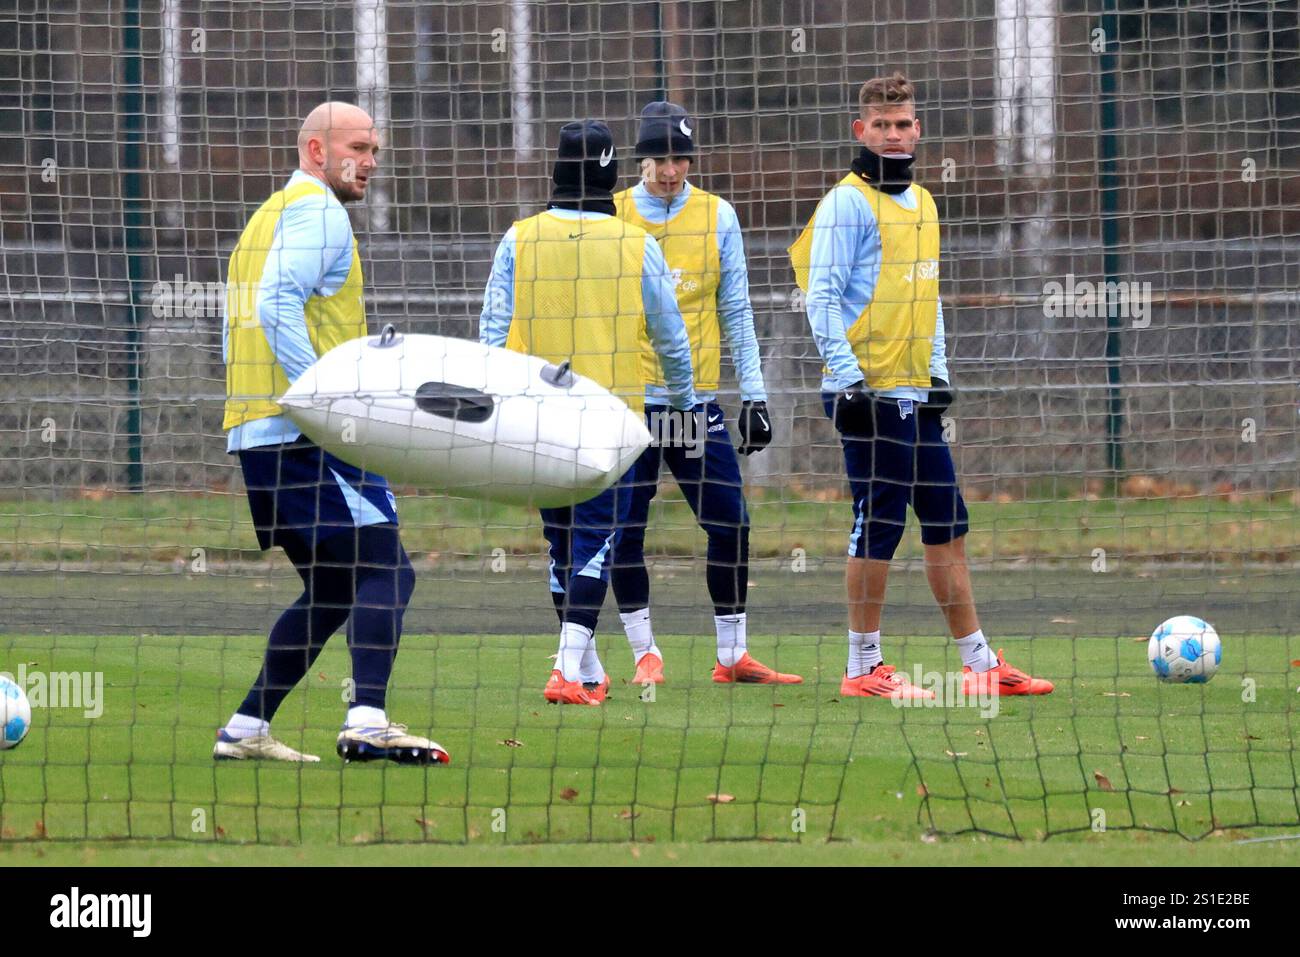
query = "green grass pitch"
{"x": 701, "y": 774}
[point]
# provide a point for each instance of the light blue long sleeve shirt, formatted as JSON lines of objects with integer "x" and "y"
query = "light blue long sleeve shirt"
{"x": 844, "y": 266}
{"x": 735, "y": 313}
{"x": 311, "y": 254}
{"x": 663, "y": 321}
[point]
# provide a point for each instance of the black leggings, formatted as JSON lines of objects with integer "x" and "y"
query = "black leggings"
{"x": 363, "y": 574}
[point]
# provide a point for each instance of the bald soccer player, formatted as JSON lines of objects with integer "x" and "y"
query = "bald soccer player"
{"x": 294, "y": 291}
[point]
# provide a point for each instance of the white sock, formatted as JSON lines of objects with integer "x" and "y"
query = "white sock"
{"x": 731, "y": 638}
{"x": 591, "y": 670}
{"x": 364, "y": 716}
{"x": 639, "y": 634}
{"x": 242, "y": 726}
{"x": 864, "y": 652}
{"x": 976, "y": 653}
{"x": 574, "y": 639}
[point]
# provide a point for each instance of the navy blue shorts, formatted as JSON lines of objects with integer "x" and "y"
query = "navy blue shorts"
{"x": 711, "y": 484}
{"x": 581, "y": 536}
{"x": 301, "y": 495}
{"x": 907, "y": 462}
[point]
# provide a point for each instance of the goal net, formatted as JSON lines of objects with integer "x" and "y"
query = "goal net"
{"x": 1117, "y": 185}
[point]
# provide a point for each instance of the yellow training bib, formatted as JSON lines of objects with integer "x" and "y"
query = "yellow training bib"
{"x": 690, "y": 244}
{"x": 578, "y": 297}
{"x": 253, "y": 376}
{"x": 893, "y": 337}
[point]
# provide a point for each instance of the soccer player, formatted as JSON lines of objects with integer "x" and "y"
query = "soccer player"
{"x": 700, "y": 237}
{"x": 576, "y": 284}
{"x": 869, "y": 263}
{"x": 294, "y": 291}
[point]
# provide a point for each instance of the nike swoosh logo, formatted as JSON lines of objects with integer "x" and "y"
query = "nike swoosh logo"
{"x": 575, "y": 235}
{"x": 764, "y": 421}
{"x": 715, "y": 418}
{"x": 607, "y": 156}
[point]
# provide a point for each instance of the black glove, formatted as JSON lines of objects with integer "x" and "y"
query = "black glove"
{"x": 755, "y": 426}
{"x": 853, "y": 411}
{"x": 942, "y": 394}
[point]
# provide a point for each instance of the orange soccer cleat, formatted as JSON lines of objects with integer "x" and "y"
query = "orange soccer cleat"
{"x": 881, "y": 682}
{"x": 747, "y": 671}
{"x": 1003, "y": 679}
{"x": 559, "y": 691}
{"x": 649, "y": 670}
{"x": 598, "y": 692}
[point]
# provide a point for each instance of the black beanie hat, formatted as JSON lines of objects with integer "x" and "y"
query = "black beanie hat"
{"x": 666, "y": 130}
{"x": 585, "y": 164}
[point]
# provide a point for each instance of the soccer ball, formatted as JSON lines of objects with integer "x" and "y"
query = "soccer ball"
{"x": 1185, "y": 650}
{"x": 15, "y": 713}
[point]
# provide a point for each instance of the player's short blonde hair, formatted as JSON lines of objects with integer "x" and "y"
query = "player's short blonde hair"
{"x": 886, "y": 91}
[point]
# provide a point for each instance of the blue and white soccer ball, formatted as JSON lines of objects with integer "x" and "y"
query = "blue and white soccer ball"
{"x": 1185, "y": 650}
{"x": 15, "y": 713}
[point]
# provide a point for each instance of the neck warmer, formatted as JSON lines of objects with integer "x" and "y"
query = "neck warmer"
{"x": 890, "y": 173}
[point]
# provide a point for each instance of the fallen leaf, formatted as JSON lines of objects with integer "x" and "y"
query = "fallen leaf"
{"x": 1140, "y": 641}
{"x": 628, "y": 815}
{"x": 1143, "y": 737}
{"x": 1103, "y": 782}
{"x": 922, "y": 791}
{"x": 321, "y": 676}
{"x": 512, "y": 743}
{"x": 929, "y": 837}
{"x": 1174, "y": 791}
{"x": 777, "y": 704}
{"x": 1251, "y": 737}
{"x": 1116, "y": 694}
{"x": 669, "y": 854}
{"x": 40, "y": 829}
{"x": 423, "y": 823}
{"x": 722, "y": 798}
{"x": 636, "y": 851}
{"x": 568, "y": 794}
{"x": 1295, "y": 663}
{"x": 956, "y": 754}
{"x": 1065, "y": 621}
{"x": 1184, "y": 804}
